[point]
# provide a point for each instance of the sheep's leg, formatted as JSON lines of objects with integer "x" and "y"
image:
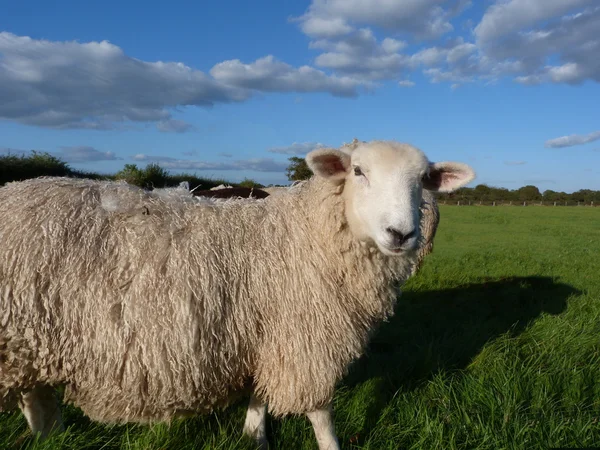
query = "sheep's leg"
{"x": 42, "y": 411}
{"x": 255, "y": 424}
{"x": 322, "y": 422}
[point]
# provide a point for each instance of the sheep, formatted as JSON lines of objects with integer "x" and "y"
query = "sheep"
{"x": 155, "y": 307}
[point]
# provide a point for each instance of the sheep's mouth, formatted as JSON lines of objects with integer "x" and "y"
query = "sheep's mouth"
{"x": 393, "y": 251}
{"x": 398, "y": 251}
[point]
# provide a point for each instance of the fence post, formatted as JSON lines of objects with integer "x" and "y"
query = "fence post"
{"x": 554, "y": 203}
{"x": 524, "y": 203}
{"x": 458, "y": 203}
{"x": 494, "y": 204}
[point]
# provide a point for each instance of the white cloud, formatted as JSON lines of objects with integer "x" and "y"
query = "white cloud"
{"x": 97, "y": 86}
{"x": 509, "y": 16}
{"x": 423, "y": 18}
{"x": 515, "y": 163}
{"x": 269, "y": 75}
{"x": 254, "y": 164}
{"x": 85, "y": 153}
{"x": 571, "y": 40}
{"x": 297, "y": 148}
{"x": 406, "y": 83}
{"x": 93, "y": 85}
{"x": 572, "y": 140}
{"x": 174, "y": 126}
{"x": 359, "y": 55}
{"x": 325, "y": 27}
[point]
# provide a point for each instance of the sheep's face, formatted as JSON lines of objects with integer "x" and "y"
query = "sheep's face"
{"x": 383, "y": 185}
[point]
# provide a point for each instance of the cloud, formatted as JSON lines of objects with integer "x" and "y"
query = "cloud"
{"x": 297, "y": 148}
{"x": 70, "y": 154}
{"x": 325, "y": 27}
{"x": 190, "y": 153}
{"x": 530, "y": 41}
{"x": 359, "y": 54}
{"x": 174, "y": 126}
{"x": 423, "y": 18}
{"x": 515, "y": 163}
{"x": 572, "y": 140}
{"x": 95, "y": 85}
{"x": 85, "y": 153}
{"x": 406, "y": 83}
{"x": 269, "y": 75}
{"x": 570, "y": 42}
{"x": 505, "y": 17}
{"x": 225, "y": 155}
{"x": 254, "y": 164}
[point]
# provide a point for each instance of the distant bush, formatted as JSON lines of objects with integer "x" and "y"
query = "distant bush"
{"x": 153, "y": 176}
{"x": 248, "y": 183}
{"x": 36, "y": 164}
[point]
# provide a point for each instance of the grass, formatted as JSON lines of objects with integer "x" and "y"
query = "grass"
{"x": 494, "y": 345}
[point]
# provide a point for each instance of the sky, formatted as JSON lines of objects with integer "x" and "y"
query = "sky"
{"x": 232, "y": 89}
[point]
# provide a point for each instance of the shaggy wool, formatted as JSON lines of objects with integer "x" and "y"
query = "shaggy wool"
{"x": 147, "y": 307}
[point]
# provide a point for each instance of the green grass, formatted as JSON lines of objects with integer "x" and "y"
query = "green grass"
{"x": 495, "y": 345}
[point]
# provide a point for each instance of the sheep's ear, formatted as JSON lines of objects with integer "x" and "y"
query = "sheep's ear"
{"x": 329, "y": 163}
{"x": 447, "y": 176}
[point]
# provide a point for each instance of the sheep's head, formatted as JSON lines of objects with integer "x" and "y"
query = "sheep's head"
{"x": 383, "y": 185}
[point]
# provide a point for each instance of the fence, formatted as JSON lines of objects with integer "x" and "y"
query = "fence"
{"x": 515, "y": 203}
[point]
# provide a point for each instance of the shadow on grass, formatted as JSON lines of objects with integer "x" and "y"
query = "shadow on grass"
{"x": 443, "y": 330}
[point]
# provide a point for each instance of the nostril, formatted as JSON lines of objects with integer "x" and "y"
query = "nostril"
{"x": 398, "y": 236}
{"x": 409, "y": 235}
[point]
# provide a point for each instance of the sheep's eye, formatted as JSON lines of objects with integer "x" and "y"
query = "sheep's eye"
{"x": 357, "y": 171}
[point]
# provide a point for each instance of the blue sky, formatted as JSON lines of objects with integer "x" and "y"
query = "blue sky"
{"x": 233, "y": 88}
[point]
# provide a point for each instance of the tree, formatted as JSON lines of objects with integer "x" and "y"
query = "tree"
{"x": 298, "y": 169}
{"x": 529, "y": 193}
{"x": 482, "y": 192}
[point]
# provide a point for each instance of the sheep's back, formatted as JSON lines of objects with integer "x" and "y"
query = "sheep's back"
{"x": 107, "y": 283}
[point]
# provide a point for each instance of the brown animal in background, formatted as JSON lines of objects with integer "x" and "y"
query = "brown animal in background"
{"x": 243, "y": 192}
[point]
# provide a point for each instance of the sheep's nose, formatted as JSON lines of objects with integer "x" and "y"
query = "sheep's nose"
{"x": 399, "y": 238}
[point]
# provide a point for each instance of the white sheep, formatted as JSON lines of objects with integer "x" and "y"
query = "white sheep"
{"x": 160, "y": 307}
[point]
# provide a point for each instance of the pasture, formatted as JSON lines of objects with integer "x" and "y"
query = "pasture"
{"x": 495, "y": 345}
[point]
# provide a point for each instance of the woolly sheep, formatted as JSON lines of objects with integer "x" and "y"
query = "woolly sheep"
{"x": 159, "y": 307}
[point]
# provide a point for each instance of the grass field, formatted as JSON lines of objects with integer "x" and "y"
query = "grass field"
{"x": 495, "y": 345}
